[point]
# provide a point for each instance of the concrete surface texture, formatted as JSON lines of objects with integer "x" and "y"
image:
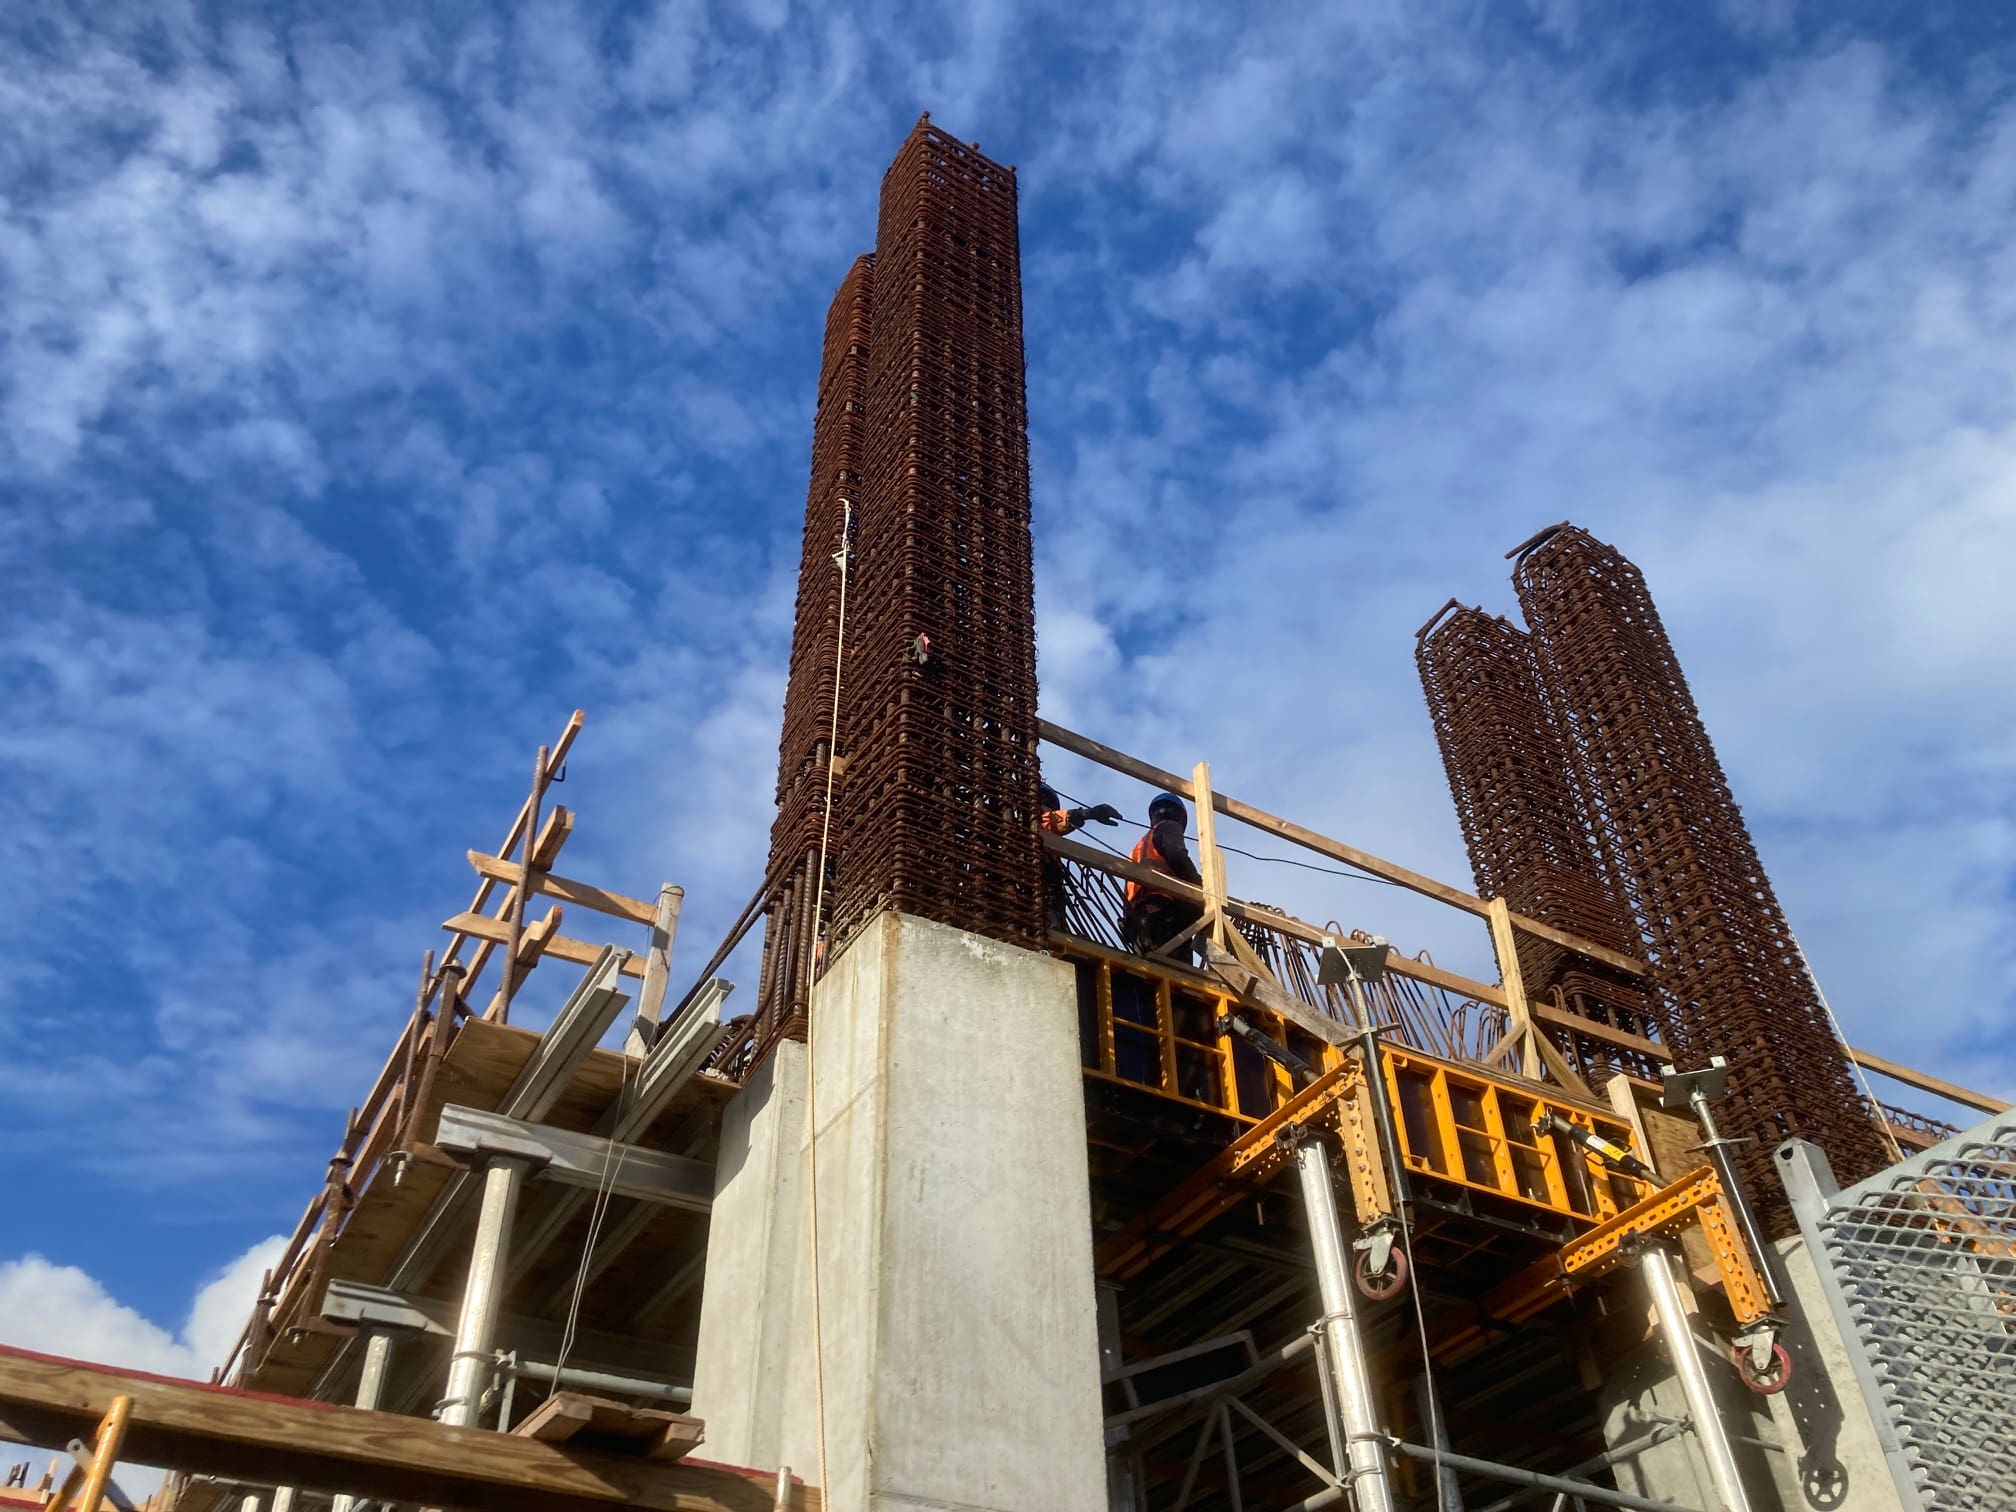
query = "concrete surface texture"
{"x": 752, "y": 1379}
{"x": 1836, "y": 1459}
{"x": 959, "y": 1342}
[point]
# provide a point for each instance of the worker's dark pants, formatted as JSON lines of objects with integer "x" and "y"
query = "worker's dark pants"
{"x": 1154, "y": 919}
{"x": 1056, "y": 898}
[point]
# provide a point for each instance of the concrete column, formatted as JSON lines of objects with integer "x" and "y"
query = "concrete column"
{"x": 1835, "y": 1448}
{"x": 958, "y": 1335}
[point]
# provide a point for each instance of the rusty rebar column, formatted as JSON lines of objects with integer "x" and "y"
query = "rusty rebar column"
{"x": 1526, "y": 825}
{"x": 920, "y": 431}
{"x": 838, "y": 426}
{"x": 940, "y": 791}
{"x": 1672, "y": 835}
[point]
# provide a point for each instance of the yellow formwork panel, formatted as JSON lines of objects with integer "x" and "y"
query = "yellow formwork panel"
{"x": 1459, "y": 1122}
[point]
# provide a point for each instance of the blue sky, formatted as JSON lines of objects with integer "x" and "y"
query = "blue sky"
{"x": 379, "y": 384}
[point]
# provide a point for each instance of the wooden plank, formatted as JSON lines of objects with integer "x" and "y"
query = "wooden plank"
{"x": 318, "y": 1446}
{"x": 1397, "y": 964}
{"x": 1323, "y": 845}
{"x": 599, "y": 1422}
{"x": 1926, "y": 1082}
{"x": 560, "y": 947}
{"x": 1595, "y": 1029}
{"x": 581, "y": 894}
{"x": 557, "y": 1419}
{"x": 1520, "y": 1025}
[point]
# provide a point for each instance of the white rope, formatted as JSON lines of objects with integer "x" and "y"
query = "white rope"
{"x": 1882, "y": 1120}
{"x": 840, "y": 559}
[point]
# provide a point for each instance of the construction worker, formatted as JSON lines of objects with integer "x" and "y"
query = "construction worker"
{"x": 1154, "y": 917}
{"x": 1058, "y": 820}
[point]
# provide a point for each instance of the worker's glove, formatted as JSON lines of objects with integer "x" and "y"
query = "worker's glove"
{"x": 1105, "y": 813}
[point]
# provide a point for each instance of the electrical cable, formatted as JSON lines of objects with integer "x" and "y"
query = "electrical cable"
{"x": 1328, "y": 871}
{"x": 1882, "y": 1121}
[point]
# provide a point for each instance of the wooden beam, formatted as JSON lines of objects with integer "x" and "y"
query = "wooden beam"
{"x": 317, "y": 1446}
{"x": 580, "y": 894}
{"x": 1594, "y": 1029}
{"x": 1519, "y": 1026}
{"x": 1925, "y": 1082}
{"x": 1323, "y": 845}
{"x": 560, "y": 947}
{"x": 1399, "y": 965}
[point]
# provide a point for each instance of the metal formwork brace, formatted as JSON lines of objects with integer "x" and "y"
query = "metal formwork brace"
{"x": 1709, "y": 1431}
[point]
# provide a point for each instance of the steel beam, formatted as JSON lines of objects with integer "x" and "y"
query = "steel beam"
{"x": 582, "y": 1160}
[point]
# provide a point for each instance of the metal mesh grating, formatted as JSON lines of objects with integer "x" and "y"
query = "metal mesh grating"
{"x": 1921, "y": 1260}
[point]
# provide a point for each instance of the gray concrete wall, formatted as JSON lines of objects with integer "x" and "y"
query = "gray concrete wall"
{"x": 961, "y": 1336}
{"x": 752, "y": 1379}
{"x": 1821, "y": 1415}
{"x": 959, "y": 1342}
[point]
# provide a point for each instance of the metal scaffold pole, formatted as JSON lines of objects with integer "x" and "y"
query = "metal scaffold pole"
{"x": 1364, "y": 1447}
{"x": 1709, "y": 1431}
{"x": 370, "y": 1389}
{"x": 475, "y": 1333}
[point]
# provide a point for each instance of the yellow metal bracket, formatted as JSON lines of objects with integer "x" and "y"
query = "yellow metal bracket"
{"x": 1223, "y": 1182}
{"x": 1697, "y": 1197}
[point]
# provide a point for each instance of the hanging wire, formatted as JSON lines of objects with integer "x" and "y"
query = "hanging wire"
{"x": 613, "y": 1156}
{"x": 1328, "y": 871}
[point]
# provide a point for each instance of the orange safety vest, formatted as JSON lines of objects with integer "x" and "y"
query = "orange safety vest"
{"x": 1145, "y": 854}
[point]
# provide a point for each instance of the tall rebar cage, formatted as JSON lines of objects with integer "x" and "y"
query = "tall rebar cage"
{"x": 939, "y": 814}
{"x": 804, "y": 749}
{"x": 1526, "y": 826}
{"x": 1918, "y": 1264}
{"x": 1670, "y": 832}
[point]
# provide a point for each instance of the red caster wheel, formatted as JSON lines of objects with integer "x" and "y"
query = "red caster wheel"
{"x": 1388, "y": 1282}
{"x": 1774, "y": 1379}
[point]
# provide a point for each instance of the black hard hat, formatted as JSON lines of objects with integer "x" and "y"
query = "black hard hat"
{"x": 1167, "y": 801}
{"x": 1048, "y": 796}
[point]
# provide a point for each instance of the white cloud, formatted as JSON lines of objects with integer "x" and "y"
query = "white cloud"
{"x": 62, "y": 1310}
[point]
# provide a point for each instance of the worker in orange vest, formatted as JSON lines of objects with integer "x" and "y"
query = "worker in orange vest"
{"x": 1058, "y": 820}
{"x": 1154, "y": 917}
